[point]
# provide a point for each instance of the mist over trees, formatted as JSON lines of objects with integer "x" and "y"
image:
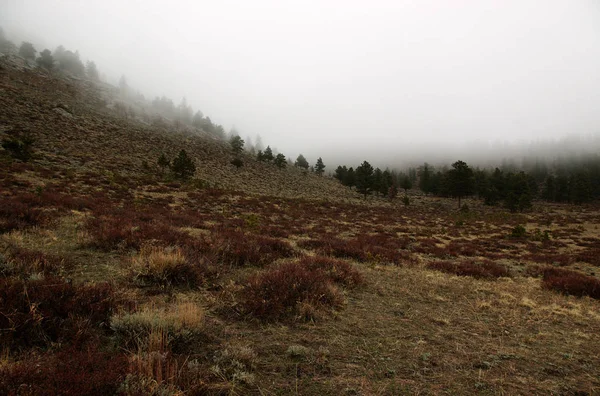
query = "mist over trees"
{"x": 574, "y": 179}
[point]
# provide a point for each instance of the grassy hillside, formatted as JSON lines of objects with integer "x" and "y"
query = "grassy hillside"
{"x": 265, "y": 281}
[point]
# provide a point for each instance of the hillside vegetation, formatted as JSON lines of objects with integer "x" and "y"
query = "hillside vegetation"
{"x": 116, "y": 278}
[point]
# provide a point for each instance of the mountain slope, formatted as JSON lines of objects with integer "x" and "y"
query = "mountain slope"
{"x": 74, "y": 127}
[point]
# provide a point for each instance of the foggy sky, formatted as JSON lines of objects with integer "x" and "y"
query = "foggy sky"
{"x": 340, "y": 78}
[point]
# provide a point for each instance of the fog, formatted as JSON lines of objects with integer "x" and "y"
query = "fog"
{"x": 387, "y": 81}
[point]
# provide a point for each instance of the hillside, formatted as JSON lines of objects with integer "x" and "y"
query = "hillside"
{"x": 75, "y": 126}
{"x": 116, "y": 279}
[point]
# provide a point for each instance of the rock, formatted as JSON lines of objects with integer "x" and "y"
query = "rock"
{"x": 62, "y": 112}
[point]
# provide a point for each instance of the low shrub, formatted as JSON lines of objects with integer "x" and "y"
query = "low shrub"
{"x": 518, "y": 232}
{"x": 67, "y": 372}
{"x": 383, "y": 248}
{"x": 337, "y": 271}
{"x": 174, "y": 328}
{"x": 131, "y": 231}
{"x": 24, "y": 263}
{"x": 590, "y": 256}
{"x": 164, "y": 267}
{"x": 291, "y": 289}
{"x": 15, "y": 214}
{"x": 39, "y": 312}
{"x": 570, "y": 282}
{"x": 238, "y": 249}
{"x": 482, "y": 270}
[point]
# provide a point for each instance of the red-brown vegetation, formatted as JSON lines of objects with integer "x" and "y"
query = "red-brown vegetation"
{"x": 571, "y": 282}
{"x": 485, "y": 269}
{"x": 71, "y": 371}
{"x": 38, "y": 312}
{"x": 291, "y": 289}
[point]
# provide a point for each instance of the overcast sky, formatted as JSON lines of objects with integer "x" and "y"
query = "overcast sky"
{"x": 325, "y": 76}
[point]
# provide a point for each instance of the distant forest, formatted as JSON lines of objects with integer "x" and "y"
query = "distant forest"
{"x": 570, "y": 180}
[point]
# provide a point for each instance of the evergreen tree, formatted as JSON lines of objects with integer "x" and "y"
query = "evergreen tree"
{"x": 198, "y": 119}
{"x": 163, "y": 162}
{"x": 518, "y": 194}
{"x": 549, "y": 192}
{"x": 386, "y": 182}
{"x": 350, "y": 178}
{"x": 184, "y": 112}
{"x": 260, "y": 156}
{"x": 340, "y": 173}
{"x": 364, "y": 178}
{"x": 27, "y": 51}
{"x": 460, "y": 180}
{"x": 237, "y": 144}
{"x": 70, "y": 62}
{"x": 425, "y": 178}
{"x": 280, "y": 161}
{"x": 183, "y": 166}
{"x": 301, "y": 162}
{"x": 377, "y": 180}
{"x": 92, "y": 71}
{"x": 268, "y": 154}
{"x": 45, "y": 60}
{"x": 319, "y": 167}
{"x": 406, "y": 184}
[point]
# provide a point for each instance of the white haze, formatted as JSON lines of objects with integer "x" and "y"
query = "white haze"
{"x": 387, "y": 81}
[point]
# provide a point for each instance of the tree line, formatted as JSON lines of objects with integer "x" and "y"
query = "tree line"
{"x": 573, "y": 180}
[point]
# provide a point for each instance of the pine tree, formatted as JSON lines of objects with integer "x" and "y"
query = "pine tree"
{"x": 406, "y": 184}
{"x": 237, "y": 144}
{"x": 460, "y": 180}
{"x": 319, "y": 167}
{"x": 301, "y": 162}
{"x": 27, "y": 51}
{"x": 45, "y": 60}
{"x": 183, "y": 166}
{"x": 163, "y": 162}
{"x": 364, "y": 178}
{"x": 268, "y": 154}
{"x": 280, "y": 161}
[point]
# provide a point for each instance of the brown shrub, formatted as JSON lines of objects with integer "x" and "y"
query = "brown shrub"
{"x": 363, "y": 248}
{"x": 237, "y": 249}
{"x": 24, "y": 262}
{"x": 126, "y": 230}
{"x": 483, "y": 270}
{"x": 590, "y": 256}
{"x": 570, "y": 282}
{"x": 289, "y": 290}
{"x": 68, "y": 372}
{"x": 165, "y": 267}
{"x": 337, "y": 271}
{"x": 16, "y": 215}
{"x": 37, "y": 312}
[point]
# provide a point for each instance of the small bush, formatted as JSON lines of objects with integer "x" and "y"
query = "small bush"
{"x": 238, "y": 249}
{"x": 519, "y": 232}
{"x": 176, "y": 327}
{"x": 291, "y": 289}
{"x": 570, "y": 282}
{"x": 68, "y": 372}
{"x": 406, "y": 200}
{"x": 481, "y": 270}
{"x": 19, "y": 147}
{"x": 39, "y": 312}
{"x": 15, "y": 214}
{"x": 337, "y": 271}
{"x": 164, "y": 267}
